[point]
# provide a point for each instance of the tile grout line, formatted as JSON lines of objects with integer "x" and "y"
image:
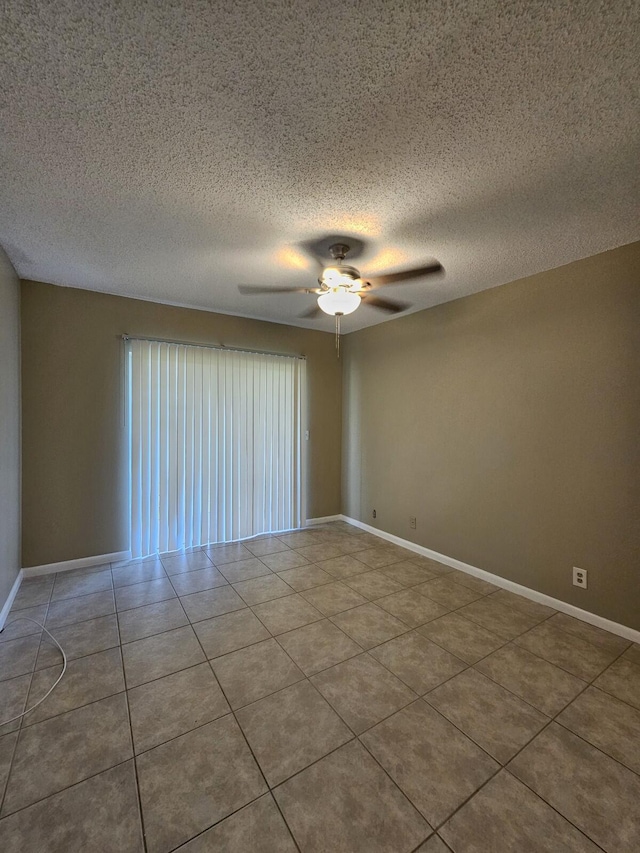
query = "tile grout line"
{"x": 134, "y": 756}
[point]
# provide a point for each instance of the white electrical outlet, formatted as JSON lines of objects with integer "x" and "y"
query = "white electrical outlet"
{"x": 412, "y": 522}
{"x": 580, "y": 577}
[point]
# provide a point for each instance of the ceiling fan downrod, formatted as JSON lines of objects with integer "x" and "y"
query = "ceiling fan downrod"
{"x": 338, "y": 315}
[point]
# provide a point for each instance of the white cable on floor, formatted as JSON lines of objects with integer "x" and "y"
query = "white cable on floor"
{"x": 55, "y": 683}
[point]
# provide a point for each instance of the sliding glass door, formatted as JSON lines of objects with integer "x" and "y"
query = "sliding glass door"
{"x": 215, "y": 444}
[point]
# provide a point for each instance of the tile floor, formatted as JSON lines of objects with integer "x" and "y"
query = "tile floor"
{"x": 315, "y": 691}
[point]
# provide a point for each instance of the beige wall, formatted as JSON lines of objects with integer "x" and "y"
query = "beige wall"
{"x": 9, "y": 427}
{"x": 508, "y": 422}
{"x": 73, "y": 435}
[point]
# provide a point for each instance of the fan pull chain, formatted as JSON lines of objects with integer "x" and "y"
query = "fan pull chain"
{"x": 338, "y": 334}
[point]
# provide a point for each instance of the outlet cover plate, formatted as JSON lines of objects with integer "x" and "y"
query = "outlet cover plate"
{"x": 580, "y": 577}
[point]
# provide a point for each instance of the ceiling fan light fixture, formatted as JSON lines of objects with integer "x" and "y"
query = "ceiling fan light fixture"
{"x": 332, "y": 276}
{"x": 338, "y": 302}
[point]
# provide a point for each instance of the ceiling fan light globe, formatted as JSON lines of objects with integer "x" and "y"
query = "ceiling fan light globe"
{"x": 338, "y": 302}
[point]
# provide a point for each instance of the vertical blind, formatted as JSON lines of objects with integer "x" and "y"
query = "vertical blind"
{"x": 215, "y": 444}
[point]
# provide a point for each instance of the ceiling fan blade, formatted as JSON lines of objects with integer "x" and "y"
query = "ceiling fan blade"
{"x": 250, "y": 289}
{"x": 385, "y": 304}
{"x": 403, "y": 275}
{"x": 311, "y": 313}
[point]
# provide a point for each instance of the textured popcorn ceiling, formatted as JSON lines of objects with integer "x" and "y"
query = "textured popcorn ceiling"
{"x": 172, "y": 150}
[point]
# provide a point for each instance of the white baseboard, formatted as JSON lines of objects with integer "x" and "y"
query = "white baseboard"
{"x": 570, "y": 609}
{"x": 6, "y": 607}
{"x": 324, "y": 520}
{"x": 81, "y": 563}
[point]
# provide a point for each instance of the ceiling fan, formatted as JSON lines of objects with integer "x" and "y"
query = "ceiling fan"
{"x": 342, "y": 289}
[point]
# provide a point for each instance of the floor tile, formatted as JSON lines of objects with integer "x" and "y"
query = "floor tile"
{"x": 472, "y": 582}
{"x": 69, "y": 586}
{"x": 290, "y": 729}
{"x": 305, "y": 577}
{"x": 230, "y": 553}
{"x": 7, "y": 746}
{"x": 86, "y": 680}
{"x": 368, "y": 540}
{"x": 633, "y": 654}
{"x": 417, "y": 661}
{"x": 230, "y": 632}
{"x": 18, "y": 657}
{"x": 590, "y": 633}
{"x": 300, "y": 539}
{"x": 251, "y": 673}
{"x": 197, "y": 580}
{"x": 347, "y": 544}
{"x": 373, "y": 585}
{"x": 435, "y": 765}
{"x": 509, "y": 817}
{"x": 407, "y": 573}
{"x": 258, "y": 828}
{"x": 173, "y": 705}
{"x": 318, "y": 646}
{"x": 286, "y": 614}
{"x": 567, "y": 651}
{"x": 463, "y": 638}
{"x": 195, "y": 780}
{"x": 162, "y": 654}
{"x": 66, "y": 749}
{"x": 13, "y": 701}
{"x": 343, "y": 567}
{"x": 606, "y": 722}
{"x": 376, "y": 558}
{"x": 594, "y": 792}
{"x": 85, "y": 571}
{"x": 323, "y": 551}
{"x": 244, "y": 570}
{"x": 510, "y": 599}
{"x": 18, "y": 626}
{"x": 262, "y": 589}
{"x": 346, "y": 803}
{"x": 410, "y": 608}
{"x": 186, "y": 562}
{"x": 211, "y": 602}
{"x": 447, "y": 593}
{"x": 538, "y": 682}
{"x": 150, "y": 570}
{"x": 72, "y": 821}
{"x": 80, "y": 609}
{"x": 362, "y": 691}
{"x": 434, "y": 566}
{"x": 33, "y": 592}
{"x": 621, "y": 679}
{"x": 369, "y": 625}
{"x": 265, "y": 545}
{"x": 83, "y": 638}
{"x": 333, "y": 598}
{"x": 139, "y": 594}
{"x": 491, "y": 716}
{"x": 151, "y": 619}
{"x": 504, "y": 621}
{"x": 284, "y": 560}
